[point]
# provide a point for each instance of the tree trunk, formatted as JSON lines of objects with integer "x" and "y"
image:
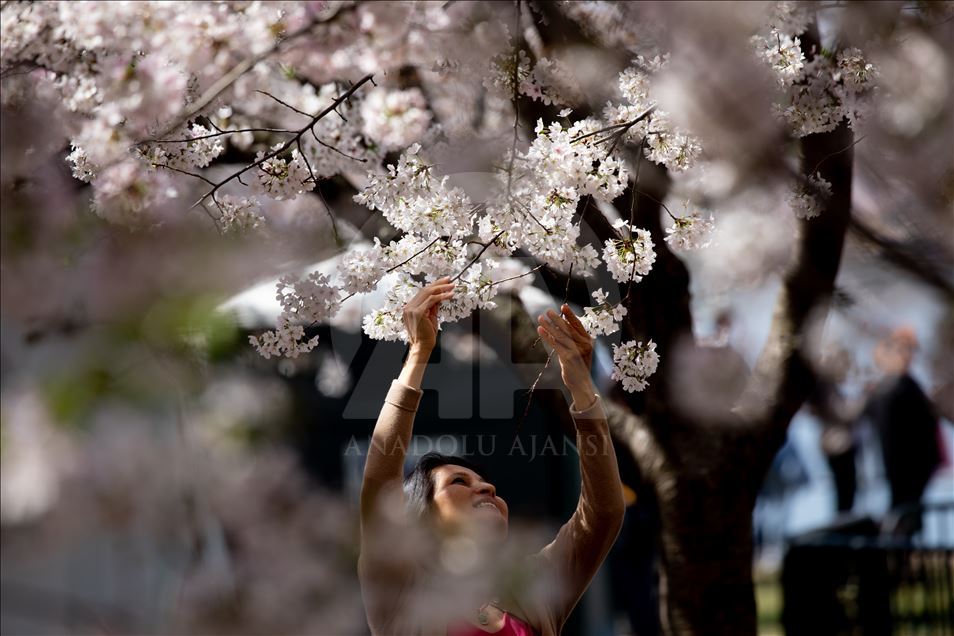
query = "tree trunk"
{"x": 706, "y": 476}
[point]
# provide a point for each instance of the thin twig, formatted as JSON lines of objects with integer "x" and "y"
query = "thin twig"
{"x": 622, "y": 127}
{"x": 482, "y": 250}
{"x": 288, "y": 143}
{"x": 330, "y": 147}
{"x": 535, "y": 382}
{"x": 215, "y": 221}
{"x": 419, "y": 252}
{"x": 334, "y": 223}
{"x": 597, "y": 132}
{"x": 285, "y": 104}
{"x": 633, "y": 202}
{"x": 216, "y": 134}
{"x": 314, "y": 179}
{"x": 530, "y": 214}
{"x": 504, "y": 280}
{"x": 186, "y": 172}
{"x": 837, "y": 152}
{"x": 632, "y": 217}
{"x": 646, "y": 194}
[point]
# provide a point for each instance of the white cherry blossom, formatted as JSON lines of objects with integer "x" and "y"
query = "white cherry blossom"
{"x": 279, "y": 178}
{"x": 238, "y": 215}
{"x": 287, "y": 340}
{"x": 309, "y": 299}
{"x": 602, "y": 318}
{"x": 692, "y": 231}
{"x": 633, "y": 363}
{"x": 361, "y": 270}
{"x": 631, "y": 256}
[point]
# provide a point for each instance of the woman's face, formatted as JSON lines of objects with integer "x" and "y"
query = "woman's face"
{"x": 463, "y": 500}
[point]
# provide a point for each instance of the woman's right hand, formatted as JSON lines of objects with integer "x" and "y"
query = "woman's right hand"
{"x": 420, "y": 314}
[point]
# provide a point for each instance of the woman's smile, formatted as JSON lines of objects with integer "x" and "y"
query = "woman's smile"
{"x": 487, "y": 504}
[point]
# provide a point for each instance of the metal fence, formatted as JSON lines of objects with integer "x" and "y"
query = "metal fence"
{"x": 872, "y": 579}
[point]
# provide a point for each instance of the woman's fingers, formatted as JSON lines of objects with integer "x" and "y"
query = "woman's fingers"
{"x": 434, "y": 299}
{"x": 575, "y": 322}
{"x": 546, "y": 335}
{"x": 565, "y": 351}
{"x": 553, "y": 330}
{"x": 437, "y": 287}
{"x": 557, "y": 325}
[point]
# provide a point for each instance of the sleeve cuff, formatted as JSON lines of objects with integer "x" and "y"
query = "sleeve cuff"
{"x": 403, "y": 397}
{"x": 592, "y": 412}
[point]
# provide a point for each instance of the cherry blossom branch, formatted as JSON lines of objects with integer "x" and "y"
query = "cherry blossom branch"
{"x": 330, "y": 147}
{"x": 220, "y": 133}
{"x": 334, "y": 222}
{"x": 504, "y": 280}
{"x": 287, "y": 144}
{"x": 619, "y": 128}
{"x": 651, "y": 197}
{"x": 632, "y": 215}
{"x": 634, "y": 202}
{"x": 415, "y": 255}
{"x": 241, "y": 69}
{"x": 526, "y": 210}
{"x": 387, "y": 271}
{"x": 533, "y": 386}
{"x": 284, "y": 103}
{"x": 28, "y": 67}
{"x": 307, "y": 163}
{"x": 185, "y": 172}
{"x": 197, "y": 176}
{"x": 479, "y": 254}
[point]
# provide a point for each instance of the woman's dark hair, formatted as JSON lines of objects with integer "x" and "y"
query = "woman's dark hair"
{"x": 419, "y": 484}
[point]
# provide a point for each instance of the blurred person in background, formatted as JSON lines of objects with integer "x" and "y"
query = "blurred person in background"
{"x": 905, "y": 422}
{"x": 838, "y": 417}
{"x": 465, "y": 522}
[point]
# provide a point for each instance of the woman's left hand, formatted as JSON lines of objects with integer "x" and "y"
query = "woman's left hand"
{"x": 574, "y": 346}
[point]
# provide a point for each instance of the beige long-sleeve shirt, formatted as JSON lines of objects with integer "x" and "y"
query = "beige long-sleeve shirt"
{"x": 573, "y": 557}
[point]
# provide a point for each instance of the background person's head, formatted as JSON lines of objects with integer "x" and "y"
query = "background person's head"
{"x": 895, "y": 353}
{"x": 456, "y": 496}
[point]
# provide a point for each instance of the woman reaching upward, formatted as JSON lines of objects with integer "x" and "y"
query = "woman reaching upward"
{"x": 458, "y": 505}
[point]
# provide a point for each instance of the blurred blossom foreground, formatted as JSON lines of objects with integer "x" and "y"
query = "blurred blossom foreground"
{"x": 213, "y": 214}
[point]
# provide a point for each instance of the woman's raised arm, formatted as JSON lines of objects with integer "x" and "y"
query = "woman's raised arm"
{"x": 383, "y": 572}
{"x": 583, "y": 542}
{"x": 392, "y": 432}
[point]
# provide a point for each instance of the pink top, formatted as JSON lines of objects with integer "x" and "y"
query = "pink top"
{"x": 512, "y": 626}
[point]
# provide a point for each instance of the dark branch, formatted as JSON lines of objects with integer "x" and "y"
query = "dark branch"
{"x": 905, "y": 256}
